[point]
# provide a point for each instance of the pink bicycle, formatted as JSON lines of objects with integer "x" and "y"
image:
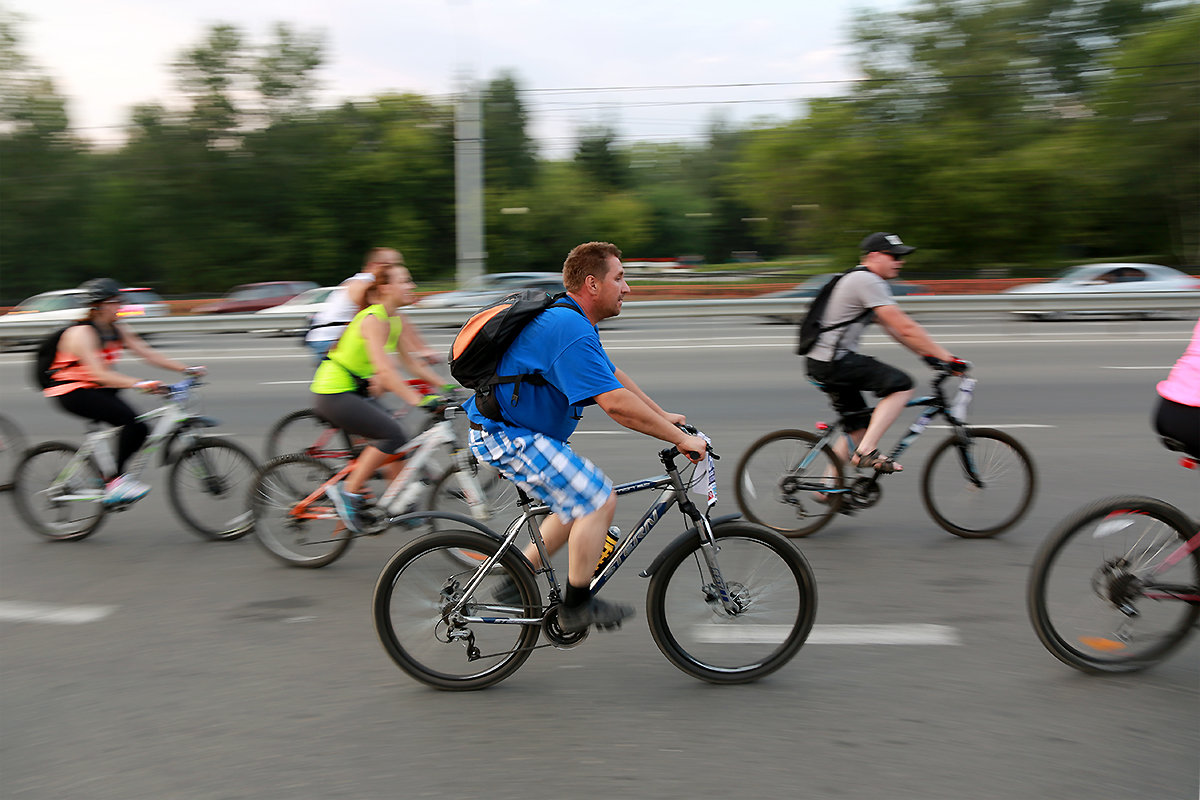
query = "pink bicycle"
{"x": 1116, "y": 587}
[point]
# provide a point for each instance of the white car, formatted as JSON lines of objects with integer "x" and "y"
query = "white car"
{"x": 307, "y": 303}
{"x": 68, "y": 305}
{"x": 1108, "y": 279}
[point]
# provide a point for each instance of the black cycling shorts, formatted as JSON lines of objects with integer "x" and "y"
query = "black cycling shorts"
{"x": 1179, "y": 422}
{"x": 356, "y": 414}
{"x": 847, "y": 378}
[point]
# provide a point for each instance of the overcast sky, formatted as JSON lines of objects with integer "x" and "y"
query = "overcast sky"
{"x": 108, "y": 56}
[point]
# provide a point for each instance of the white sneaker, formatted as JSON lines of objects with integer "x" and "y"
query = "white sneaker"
{"x": 123, "y": 489}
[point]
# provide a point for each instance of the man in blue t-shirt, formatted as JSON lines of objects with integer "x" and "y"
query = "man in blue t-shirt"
{"x": 530, "y": 446}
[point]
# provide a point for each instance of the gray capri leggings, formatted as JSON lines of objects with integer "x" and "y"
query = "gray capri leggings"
{"x": 356, "y": 414}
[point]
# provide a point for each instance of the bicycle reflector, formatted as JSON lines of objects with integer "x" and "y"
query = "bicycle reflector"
{"x": 1189, "y": 463}
{"x": 822, "y": 426}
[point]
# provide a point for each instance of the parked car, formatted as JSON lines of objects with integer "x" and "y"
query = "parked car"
{"x": 485, "y": 289}
{"x": 250, "y": 297}
{"x": 811, "y": 287}
{"x": 1107, "y": 279}
{"x": 306, "y": 303}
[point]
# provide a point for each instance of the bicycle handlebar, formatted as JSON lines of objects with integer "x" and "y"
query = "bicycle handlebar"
{"x": 956, "y": 367}
{"x": 692, "y": 430}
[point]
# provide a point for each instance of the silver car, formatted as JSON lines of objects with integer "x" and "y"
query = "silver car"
{"x": 1107, "y": 279}
{"x": 485, "y": 289}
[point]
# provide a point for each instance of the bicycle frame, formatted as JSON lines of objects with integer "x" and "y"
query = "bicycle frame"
{"x": 167, "y": 422}
{"x": 402, "y": 492}
{"x": 935, "y": 405}
{"x": 674, "y": 492}
{"x": 1188, "y": 594}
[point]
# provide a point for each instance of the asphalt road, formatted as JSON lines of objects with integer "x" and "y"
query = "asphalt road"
{"x": 211, "y": 671}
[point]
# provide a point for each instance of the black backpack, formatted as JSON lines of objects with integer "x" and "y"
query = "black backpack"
{"x": 43, "y": 378}
{"x": 811, "y": 327}
{"x": 487, "y": 335}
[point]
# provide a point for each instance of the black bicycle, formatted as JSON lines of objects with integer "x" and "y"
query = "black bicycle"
{"x": 977, "y": 483}
{"x": 728, "y": 601}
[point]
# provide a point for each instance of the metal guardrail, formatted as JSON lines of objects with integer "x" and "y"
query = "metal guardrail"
{"x": 793, "y": 307}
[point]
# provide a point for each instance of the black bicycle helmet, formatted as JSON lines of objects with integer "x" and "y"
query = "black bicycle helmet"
{"x": 100, "y": 289}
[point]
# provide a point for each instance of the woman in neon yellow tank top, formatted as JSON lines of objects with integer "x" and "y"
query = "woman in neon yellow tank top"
{"x": 361, "y": 355}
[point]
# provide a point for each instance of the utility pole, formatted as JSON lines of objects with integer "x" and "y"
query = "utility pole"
{"x": 468, "y": 183}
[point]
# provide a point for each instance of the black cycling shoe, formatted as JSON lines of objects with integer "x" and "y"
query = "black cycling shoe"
{"x": 596, "y": 612}
{"x": 507, "y": 593}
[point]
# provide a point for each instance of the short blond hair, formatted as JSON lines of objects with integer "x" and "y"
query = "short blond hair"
{"x": 589, "y": 258}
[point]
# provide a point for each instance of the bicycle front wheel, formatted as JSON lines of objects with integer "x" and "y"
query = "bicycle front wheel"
{"x": 303, "y": 431}
{"x": 774, "y": 596}
{"x": 1102, "y": 596}
{"x": 499, "y": 496}
{"x": 59, "y": 500}
{"x": 207, "y": 488}
{"x": 12, "y": 447}
{"x": 1006, "y": 483}
{"x": 417, "y": 590}
{"x": 774, "y": 485}
{"x": 300, "y": 535}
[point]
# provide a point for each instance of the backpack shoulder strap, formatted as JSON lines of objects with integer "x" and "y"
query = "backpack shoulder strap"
{"x": 864, "y": 313}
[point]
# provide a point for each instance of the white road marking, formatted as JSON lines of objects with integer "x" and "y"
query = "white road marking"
{"x": 913, "y": 634}
{"x": 53, "y": 613}
{"x": 1014, "y": 425}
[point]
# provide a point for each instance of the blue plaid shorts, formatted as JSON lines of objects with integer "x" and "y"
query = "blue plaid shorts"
{"x": 546, "y": 468}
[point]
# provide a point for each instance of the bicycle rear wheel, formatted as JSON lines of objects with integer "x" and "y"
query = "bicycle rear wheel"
{"x": 415, "y": 592}
{"x": 1101, "y": 596}
{"x": 12, "y": 448}
{"x": 1007, "y": 484}
{"x": 772, "y": 490}
{"x": 772, "y": 585}
{"x": 207, "y": 486}
{"x": 303, "y": 431}
{"x": 58, "y": 504}
{"x": 311, "y": 536}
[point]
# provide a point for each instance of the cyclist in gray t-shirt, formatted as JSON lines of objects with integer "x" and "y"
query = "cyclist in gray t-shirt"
{"x": 844, "y": 374}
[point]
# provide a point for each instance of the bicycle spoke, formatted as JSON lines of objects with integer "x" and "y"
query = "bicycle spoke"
{"x": 1097, "y": 593}
{"x": 415, "y": 599}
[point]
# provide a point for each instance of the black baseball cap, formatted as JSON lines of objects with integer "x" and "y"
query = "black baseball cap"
{"x": 885, "y": 243}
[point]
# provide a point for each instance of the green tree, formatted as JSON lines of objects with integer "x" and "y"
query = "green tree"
{"x": 597, "y": 155}
{"x": 1145, "y": 142}
{"x": 44, "y": 183}
{"x": 510, "y": 156}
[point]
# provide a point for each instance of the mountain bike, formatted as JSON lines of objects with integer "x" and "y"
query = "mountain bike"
{"x": 297, "y": 523}
{"x": 306, "y": 431}
{"x": 1116, "y": 586}
{"x": 728, "y": 601}
{"x": 59, "y": 487}
{"x": 12, "y": 446}
{"x": 978, "y": 482}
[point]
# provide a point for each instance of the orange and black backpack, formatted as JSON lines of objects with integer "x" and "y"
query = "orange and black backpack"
{"x": 487, "y": 335}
